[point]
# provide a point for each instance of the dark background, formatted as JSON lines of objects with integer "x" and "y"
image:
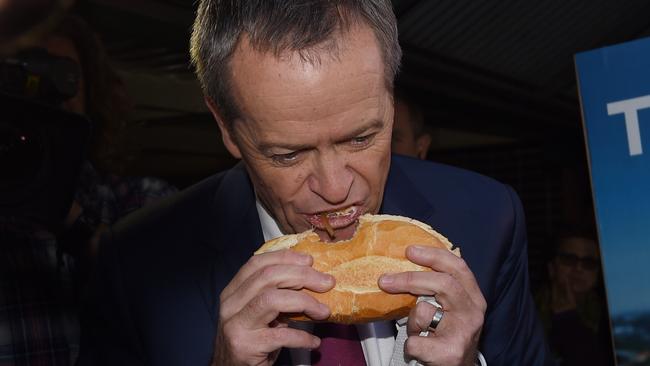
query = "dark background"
{"x": 496, "y": 80}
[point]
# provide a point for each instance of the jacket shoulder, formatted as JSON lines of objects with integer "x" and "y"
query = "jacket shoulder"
{"x": 440, "y": 182}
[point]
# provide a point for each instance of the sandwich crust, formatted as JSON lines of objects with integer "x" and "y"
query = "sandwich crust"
{"x": 377, "y": 247}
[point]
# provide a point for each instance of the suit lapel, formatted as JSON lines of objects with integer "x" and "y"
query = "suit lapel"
{"x": 238, "y": 232}
{"x": 234, "y": 233}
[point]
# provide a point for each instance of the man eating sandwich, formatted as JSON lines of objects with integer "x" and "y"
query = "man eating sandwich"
{"x": 302, "y": 92}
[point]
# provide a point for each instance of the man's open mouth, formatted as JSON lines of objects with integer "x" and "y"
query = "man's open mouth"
{"x": 336, "y": 219}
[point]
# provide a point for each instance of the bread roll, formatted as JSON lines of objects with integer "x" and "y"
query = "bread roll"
{"x": 377, "y": 247}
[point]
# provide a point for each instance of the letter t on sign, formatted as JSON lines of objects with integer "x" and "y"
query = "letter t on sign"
{"x": 629, "y": 108}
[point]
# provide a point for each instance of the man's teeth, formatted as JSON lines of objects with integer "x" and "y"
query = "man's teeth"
{"x": 345, "y": 212}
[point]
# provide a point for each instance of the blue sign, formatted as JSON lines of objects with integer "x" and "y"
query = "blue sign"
{"x": 614, "y": 84}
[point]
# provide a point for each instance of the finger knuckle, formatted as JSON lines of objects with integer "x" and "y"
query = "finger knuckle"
{"x": 463, "y": 267}
{"x": 233, "y": 340}
{"x": 226, "y": 327}
{"x": 276, "y": 336}
{"x": 449, "y": 282}
{"x": 232, "y": 336}
{"x": 410, "y": 347}
{"x": 421, "y": 309}
{"x": 456, "y": 357}
{"x": 409, "y": 278}
{"x": 224, "y": 313}
{"x": 255, "y": 260}
{"x": 267, "y": 298}
{"x": 236, "y": 344}
{"x": 482, "y": 305}
{"x": 477, "y": 320}
{"x": 302, "y": 297}
{"x": 228, "y": 308}
{"x": 465, "y": 339}
{"x": 453, "y": 354}
{"x": 422, "y": 315}
{"x": 267, "y": 272}
{"x": 306, "y": 272}
{"x": 222, "y": 297}
{"x": 286, "y": 254}
{"x": 462, "y": 264}
{"x": 282, "y": 335}
{"x": 291, "y": 256}
{"x": 261, "y": 302}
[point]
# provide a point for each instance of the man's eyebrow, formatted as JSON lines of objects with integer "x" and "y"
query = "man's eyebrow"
{"x": 266, "y": 146}
{"x": 373, "y": 124}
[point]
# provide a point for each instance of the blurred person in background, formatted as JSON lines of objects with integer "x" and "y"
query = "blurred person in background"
{"x": 409, "y": 135}
{"x": 43, "y": 269}
{"x": 572, "y": 303}
{"x": 104, "y": 194}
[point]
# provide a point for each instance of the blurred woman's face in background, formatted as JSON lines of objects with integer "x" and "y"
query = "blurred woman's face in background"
{"x": 578, "y": 262}
{"x": 63, "y": 47}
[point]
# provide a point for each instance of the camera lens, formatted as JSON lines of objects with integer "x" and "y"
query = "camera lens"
{"x": 21, "y": 155}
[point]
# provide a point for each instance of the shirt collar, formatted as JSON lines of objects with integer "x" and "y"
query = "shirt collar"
{"x": 270, "y": 228}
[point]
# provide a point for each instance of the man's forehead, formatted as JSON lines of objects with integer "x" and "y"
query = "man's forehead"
{"x": 291, "y": 88}
{"x": 343, "y": 47}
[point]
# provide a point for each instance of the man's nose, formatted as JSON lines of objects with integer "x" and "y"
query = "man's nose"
{"x": 331, "y": 178}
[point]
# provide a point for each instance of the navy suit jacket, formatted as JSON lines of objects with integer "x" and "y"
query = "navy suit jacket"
{"x": 155, "y": 296}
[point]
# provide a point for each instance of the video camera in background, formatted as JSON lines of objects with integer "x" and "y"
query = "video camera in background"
{"x": 41, "y": 146}
{"x": 37, "y": 75}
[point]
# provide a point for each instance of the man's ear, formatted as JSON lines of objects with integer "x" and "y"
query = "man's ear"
{"x": 228, "y": 139}
{"x": 422, "y": 145}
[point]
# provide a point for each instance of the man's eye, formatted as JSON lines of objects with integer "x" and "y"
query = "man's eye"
{"x": 361, "y": 141}
{"x": 285, "y": 159}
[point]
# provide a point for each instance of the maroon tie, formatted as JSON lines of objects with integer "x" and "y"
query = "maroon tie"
{"x": 339, "y": 345}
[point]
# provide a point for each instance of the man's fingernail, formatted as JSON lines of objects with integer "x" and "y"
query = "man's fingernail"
{"x": 387, "y": 279}
{"x": 416, "y": 249}
{"x": 328, "y": 280}
{"x": 324, "y": 308}
{"x": 315, "y": 342}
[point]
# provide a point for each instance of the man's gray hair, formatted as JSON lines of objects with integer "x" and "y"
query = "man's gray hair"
{"x": 304, "y": 26}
